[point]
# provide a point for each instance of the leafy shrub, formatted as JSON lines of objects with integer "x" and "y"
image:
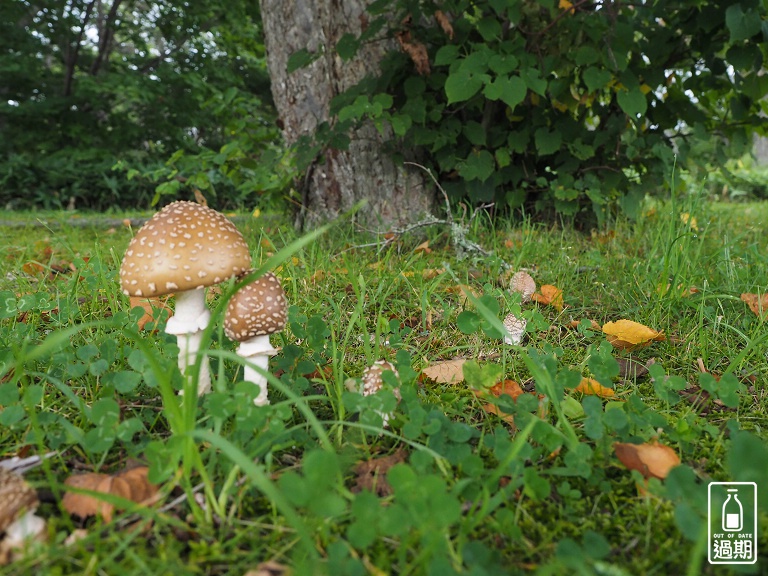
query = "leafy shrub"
{"x": 563, "y": 106}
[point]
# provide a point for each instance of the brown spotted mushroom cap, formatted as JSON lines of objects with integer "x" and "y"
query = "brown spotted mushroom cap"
{"x": 183, "y": 247}
{"x": 523, "y": 283}
{"x": 257, "y": 309}
{"x": 372, "y": 381}
{"x": 16, "y": 497}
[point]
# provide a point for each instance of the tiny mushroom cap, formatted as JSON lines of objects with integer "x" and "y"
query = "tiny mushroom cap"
{"x": 523, "y": 283}
{"x": 183, "y": 247}
{"x": 516, "y": 328}
{"x": 372, "y": 381}
{"x": 257, "y": 309}
{"x": 16, "y": 498}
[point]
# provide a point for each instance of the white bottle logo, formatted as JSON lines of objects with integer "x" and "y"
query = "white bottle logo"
{"x": 733, "y": 513}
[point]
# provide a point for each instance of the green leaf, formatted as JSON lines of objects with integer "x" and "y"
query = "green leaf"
{"x": 347, "y": 46}
{"x": 124, "y": 381}
{"x": 446, "y": 55}
{"x": 747, "y": 461}
{"x": 9, "y": 394}
{"x": 474, "y": 132}
{"x": 534, "y": 81}
{"x": 479, "y": 165}
{"x": 462, "y": 85}
{"x": 593, "y": 424}
{"x": 510, "y": 90}
{"x": 489, "y": 28}
{"x": 503, "y": 157}
{"x": 632, "y": 102}
{"x": 547, "y": 142}
{"x": 726, "y": 389}
{"x": 586, "y": 55}
{"x": 482, "y": 377}
{"x": 503, "y": 64}
{"x": 536, "y": 487}
{"x": 468, "y": 322}
{"x": 300, "y": 59}
{"x": 595, "y": 78}
{"x": 742, "y": 25}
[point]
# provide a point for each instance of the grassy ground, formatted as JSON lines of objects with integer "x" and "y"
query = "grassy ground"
{"x": 313, "y": 481}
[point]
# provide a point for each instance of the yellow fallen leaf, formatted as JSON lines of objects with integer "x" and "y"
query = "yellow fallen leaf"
{"x": 551, "y": 295}
{"x": 447, "y": 372}
{"x": 689, "y": 220}
{"x": 626, "y": 334}
{"x": 651, "y": 460}
{"x": 757, "y": 303}
{"x": 594, "y": 388}
{"x": 256, "y": 213}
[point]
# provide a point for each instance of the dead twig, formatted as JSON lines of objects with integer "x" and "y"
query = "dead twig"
{"x": 458, "y": 230}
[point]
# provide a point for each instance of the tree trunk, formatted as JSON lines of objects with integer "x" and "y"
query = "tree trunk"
{"x": 338, "y": 179}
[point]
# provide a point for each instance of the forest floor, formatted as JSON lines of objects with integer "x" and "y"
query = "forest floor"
{"x": 565, "y": 454}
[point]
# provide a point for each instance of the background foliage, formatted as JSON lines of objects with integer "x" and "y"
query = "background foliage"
{"x": 567, "y": 106}
{"x": 561, "y": 107}
{"x": 87, "y": 85}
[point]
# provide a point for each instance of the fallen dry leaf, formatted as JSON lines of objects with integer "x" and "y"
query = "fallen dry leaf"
{"x": 464, "y": 290}
{"x": 651, "y": 460}
{"x": 372, "y": 475}
{"x": 594, "y": 388}
{"x": 429, "y": 273}
{"x": 508, "y": 387}
{"x": 445, "y": 23}
{"x": 575, "y": 324}
{"x": 130, "y": 484}
{"x": 416, "y": 50}
{"x": 199, "y": 198}
{"x": 423, "y": 248}
{"x": 626, "y": 334}
{"x": 631, "y": 369}
{"x": 551, "y": 295}
{"x": 153, "y": 308}
{"x": 757, "y": 303}
{"x": 447, "y": 372}
{"x": 514, "y": 390}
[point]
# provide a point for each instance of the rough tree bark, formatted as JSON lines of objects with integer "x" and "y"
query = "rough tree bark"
{"x": 396, "y": 194}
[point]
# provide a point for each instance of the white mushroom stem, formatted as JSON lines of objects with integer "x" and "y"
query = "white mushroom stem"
{"x": 26, "y": 527}
{"x": 256, "y": 352}
{"x": 189, "y": 319}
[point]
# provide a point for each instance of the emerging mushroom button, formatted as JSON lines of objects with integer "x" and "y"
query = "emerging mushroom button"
{"x": 372, "y": 382}
{"x": 255, "y": 311}
{"x": 183, "y": 249}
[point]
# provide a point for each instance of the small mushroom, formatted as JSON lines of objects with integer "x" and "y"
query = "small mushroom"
{"x": 18, "y": 502}
{"x": 255, "y": 312}
{"x": 181, "y": 250}
{"x": 523, "y": 283}
{"x": 516, "y": 329}
{"x": 372, "y": 383}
